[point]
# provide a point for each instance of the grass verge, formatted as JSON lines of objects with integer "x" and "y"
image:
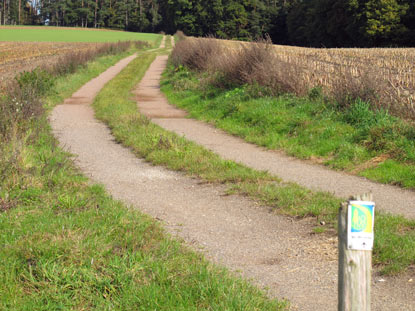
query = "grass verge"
{"x": 67, "y": 34}
{"x": 66, "y": 245}
{"x": 394, "y": 235}
{"x": 356, "y": 139}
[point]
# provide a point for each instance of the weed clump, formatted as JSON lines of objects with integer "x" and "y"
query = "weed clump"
{"x": 347, "y": 89}
{"x": 255, "y": 64}
{"x": 196, "y": 54}
{"x": 180, "y": 35}
{"x": 5, "y": 205}
{"x": 19, "y": 108}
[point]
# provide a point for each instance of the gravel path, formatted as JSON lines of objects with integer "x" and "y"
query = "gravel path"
{"x": 163, "y": 43}
{"x": 273, "y": 250}
{"x": 153, "y": 104}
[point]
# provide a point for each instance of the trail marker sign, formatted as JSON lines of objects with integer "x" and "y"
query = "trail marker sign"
{"x": 360, "y": 224}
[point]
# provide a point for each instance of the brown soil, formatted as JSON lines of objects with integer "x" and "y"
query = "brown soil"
{"x": 275, "y": 251}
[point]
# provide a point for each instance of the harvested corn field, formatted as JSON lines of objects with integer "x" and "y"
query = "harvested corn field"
{"x": 16, "y": 57}
{"x": 386, "y": 74}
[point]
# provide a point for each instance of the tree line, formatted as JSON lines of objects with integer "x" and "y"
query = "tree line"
{"x": 317, "y": 23}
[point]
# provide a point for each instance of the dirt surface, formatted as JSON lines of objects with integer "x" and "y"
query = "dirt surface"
{"x": 163, "y": 43}
{"x": 388, "y": 198}
{"x": 275, "y": 251}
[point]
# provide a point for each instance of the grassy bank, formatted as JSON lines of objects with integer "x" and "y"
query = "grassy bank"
{"x": 395, "y": 238}
{"x": 66, "y": 245}
{"x": 355, "y": 139}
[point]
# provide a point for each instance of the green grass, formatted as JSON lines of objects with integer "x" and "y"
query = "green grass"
{"x": 114, "y": 106}
{"x": 66, "y": 245}
{"x": 309, "y": 128}
{"x": 61, "y": 34}
{"x": 392, "y": 172}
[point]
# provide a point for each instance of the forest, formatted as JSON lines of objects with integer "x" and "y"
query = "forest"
{"x": 314, "y": 23}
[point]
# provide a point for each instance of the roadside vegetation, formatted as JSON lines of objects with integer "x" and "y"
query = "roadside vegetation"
{"x": 66, "y": 245}
{"x": 395, "y": 239}
{"x": 344, "y": 127}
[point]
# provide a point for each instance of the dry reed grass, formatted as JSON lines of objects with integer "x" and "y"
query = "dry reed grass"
{"x": 255, "y": 63}
{"x": 197, "y": 54}
{"x": 180, "y": 35}
{"x": 69, "y": 62}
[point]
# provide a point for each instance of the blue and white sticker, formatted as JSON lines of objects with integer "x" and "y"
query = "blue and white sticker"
{"x": 360, "y": 224}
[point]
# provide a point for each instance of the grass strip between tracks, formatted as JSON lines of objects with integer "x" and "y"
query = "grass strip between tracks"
{"x": 66, "y": 245}
{"x": 395, "y": 238}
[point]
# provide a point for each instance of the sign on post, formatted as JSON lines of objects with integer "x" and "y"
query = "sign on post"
{"x": 356, "y": 220}
{"x": 361, "y": 215}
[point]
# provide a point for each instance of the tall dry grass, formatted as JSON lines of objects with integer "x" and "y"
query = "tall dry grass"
{"x": 180, "y": 35}
{"x": 197, "y": 54}
{"x": 68, "y": 63}
{"x": 383, "y": 77}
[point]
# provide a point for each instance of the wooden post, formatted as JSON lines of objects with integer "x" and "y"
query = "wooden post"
{"x": 355, "y": 268}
